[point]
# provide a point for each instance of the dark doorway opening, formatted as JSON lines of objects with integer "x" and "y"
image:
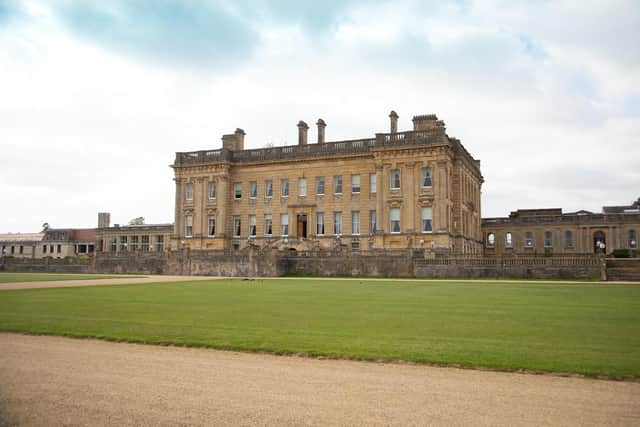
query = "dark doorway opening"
{"x": 599, "y": 242}
{"x": 302, "y": 226}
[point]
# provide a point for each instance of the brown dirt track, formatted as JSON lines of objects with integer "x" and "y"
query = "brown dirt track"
{"x": 61, "y": 381}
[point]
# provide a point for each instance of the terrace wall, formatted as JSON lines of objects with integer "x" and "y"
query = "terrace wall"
{"x": 384, "y": 263}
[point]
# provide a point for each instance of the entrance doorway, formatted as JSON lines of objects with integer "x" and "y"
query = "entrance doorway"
{"x": 599, "y": 242}
{"x": 302, "y": 226}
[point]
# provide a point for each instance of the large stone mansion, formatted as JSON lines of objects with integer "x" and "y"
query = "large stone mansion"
{"x": 412, "y": 189}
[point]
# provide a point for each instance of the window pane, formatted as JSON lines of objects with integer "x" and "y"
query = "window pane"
{"x": 253, "y": 189}
{"x": 284, "y": 224}
{"x": 372, "y": 183}
{"x": 337, "y": 184}
{"x": 188, "y": 226}
{"x": 355, "y": 183}
{"x": 427, "y": 220}
{"x": 268, "y": 225}
{"x": 491, "y": 239}
{"x": 188, "y": 191}
{"x": 252, "y": 225}
{"x": 395, "y": 179}
{"x": 236, "y": 226}
{"x": 237, "y": 190}
{"x": 633, "y": 239}
{"x": 426, "y": 177}
{"x": 568, "y": 239}
{"x": 320, "y": 185}
{"x": 212, "y": 226}
{"x": 268, "y": 188}
{"x": 337, "y": 223}
{"x": 284, "y": 188}
{"x": 302, "y": 187}
{"x": 212, "y": 190}
{"x": 395, "y": 220}
{"x": 372, "y": 222}
{"x": 508, "y": 239}
{"x": 355, "y": 222}
{"x": 320, "y": 223}
{"x": 528, "y": 239}
{"x": 548, "y": 239}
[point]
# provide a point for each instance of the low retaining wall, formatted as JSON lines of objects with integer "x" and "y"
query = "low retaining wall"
{"x": 47, "y": 265}
{"x": 253, "y": 262}
{"x": 540, "y": 267}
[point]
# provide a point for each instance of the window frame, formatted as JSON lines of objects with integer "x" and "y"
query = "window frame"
{"x": 395, "y": 226}
{"x": 372, "y": 221}
{"x": 355, "y": 225}
{"x": 188, "y": 192}
{"x": 320, "y": 224}
{"x": 547, "y": 239}
{"x": 268, "y": 189}
{"x": 337, "y": 223}
{"x": 355, "y": 187}
{"x": 283, "y": 224}
{"x": 268, "y": 225}
{"x": 490, "y": 240}
{"x": 237, "y": 226}
{"x": 253, "y": 225}
{"x": 373, "y": 183}
{"x": 423, "y": 219}
{"x": 253, "y": 189}
{"x": 424, "y": 176}
{"x": 393, "y": 173}
{"x": 211, "y": 219}
{"x": 302, "y": 187}
{"x": 284, "y": 187}
{"x": 337, "y": 184}
{"x": 188, "y": 226}
{"x": 212, "y": 190}
{"x": 320, "y": 182}
{"x": 237, "y": 191}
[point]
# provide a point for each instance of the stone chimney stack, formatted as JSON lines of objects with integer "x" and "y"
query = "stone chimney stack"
{"x": 234, "y": 141}
{"x": 428, "y": 122}
{"x": 321, "y": 125}
{"x": 394, "y": 122}
{"x": 239, "y": 133}
{"x": 302, "y": 133}
{"x": 104, "y": 219}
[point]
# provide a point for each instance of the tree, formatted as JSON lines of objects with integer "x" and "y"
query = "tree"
{"x": 137, "y": 221}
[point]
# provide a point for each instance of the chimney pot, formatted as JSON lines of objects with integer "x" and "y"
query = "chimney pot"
{"x": 394, "y": 121}
{"x": 321, "y": 125}
{"x": 302, "y": 133}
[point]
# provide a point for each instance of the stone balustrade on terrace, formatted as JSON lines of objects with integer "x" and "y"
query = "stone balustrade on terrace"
{"x": 291, "y": 152}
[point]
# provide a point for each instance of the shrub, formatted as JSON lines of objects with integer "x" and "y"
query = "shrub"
{"x": 622, "y": 253}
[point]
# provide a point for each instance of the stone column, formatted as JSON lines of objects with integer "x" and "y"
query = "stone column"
{"x": 441, "y": 205}
{"x": 380, "y": 191}
{"x": 409, "y": 198}
{"x": 178, "y": 213}
{"x": 223, "y": 200}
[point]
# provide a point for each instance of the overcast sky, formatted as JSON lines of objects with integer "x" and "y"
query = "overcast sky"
{"x": 96, "y": 97}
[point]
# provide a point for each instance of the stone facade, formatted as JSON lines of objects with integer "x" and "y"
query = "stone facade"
{"x": 134, "y": 238}
{"x": 550, "y": 231}
{"x": 414, "y": 189}
{"x": 50, "y": 243}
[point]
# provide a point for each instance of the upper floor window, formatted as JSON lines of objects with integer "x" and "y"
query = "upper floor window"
{"x": 337, "y": 223}
{"x": 355, "y": 183}
{"x": 268, "y": 188}
{"x": 373, "y": 183}
{"x": 268, "y": 225}
{"x": 284, "y": 187}
{"x": 188, "y": 226}
{"x": 568, "y": 239}
{"x": 427, "y": 220}
{"x": 548, "y": 239}
{"x": 394, "y": 179}
{"x": 320, "y": 185}
{"x": 211, "y": 226}
{"x": 491, "y": 240}
{"x": 302, "y": 186}
{"x": 284, "y": 224}
{"x": 188, "y": 191}
{"x": 337, "y": 184}
{"x": 252, "y": 225}
{"x": 355, "y": 222}
{"x": 528, "y": 239}
{"x": 633, "y": 239}
{"x": 508, "y": 239}
{"x": 212, "y": 189}
{"x": 394, "y": 215}
{"x": 425, "y": 174}
{"x": 237, "y": 190}
{"x": 237, "y": 226}
{"x": 253, "y": 189}
{"x": 320, "y": 223}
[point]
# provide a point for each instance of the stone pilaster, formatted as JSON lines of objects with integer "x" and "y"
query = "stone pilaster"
{"x": 178, "y": 213}
{"x": 410, "y": 198}
{"x": 224, "y": 200}
{"x": 381, "y": 189}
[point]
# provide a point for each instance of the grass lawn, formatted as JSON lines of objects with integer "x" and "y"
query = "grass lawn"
{"x": 7, "y": 277}
{"x": 590, "y": 329}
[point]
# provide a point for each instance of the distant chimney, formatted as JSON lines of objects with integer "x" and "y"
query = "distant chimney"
{"x": 321, "y": 125}
{"x": 104, "y": 219}
{"x": 302, "y": 133}
{"x": 428, "y": 122}
{"x": 234, "y": 141}
{"x": 394, "y": 121}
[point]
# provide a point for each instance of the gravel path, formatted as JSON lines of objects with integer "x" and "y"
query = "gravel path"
{"x": 60, "y": 381}
{"x": 101, "y": 282}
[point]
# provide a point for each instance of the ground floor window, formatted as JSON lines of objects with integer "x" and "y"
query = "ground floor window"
{"x": 284, "y": 224}
{"x": 508, "y": 239}
{"x": 252, "y": 225}
{"x": 568, "y": 239}
{"x": 427, "y": 220}
{"x": 236, "y": 226}
{"x": 133, "y": 245}
{"x": 355, "y": 222}
{"x": 337, "y": 223}
{"x": 633, "y": 239}
{"x": 548, "y": 239}
{"x": 528, "y": 239}
{"x": 159, "y": 243}
{"x": 145, "y": 243}
{"x": 211, "y": 226}
{"x": 268, "y": 225}
{"x": 188, "y": 226}
{"x": 395, "y": 220}
{"x": 320, "y": 223}
{"x": 491, "y": 240}
{"x": 123, "y": 243}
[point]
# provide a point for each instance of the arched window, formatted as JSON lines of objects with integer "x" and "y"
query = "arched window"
{"x": 568, "y": 239}
{"x": 491, "y": 240}
{"x": 548, "y": 239}
{"x": 633, "y": 239}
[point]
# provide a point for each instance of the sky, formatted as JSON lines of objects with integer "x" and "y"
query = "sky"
{"x": 96, "y": 97}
